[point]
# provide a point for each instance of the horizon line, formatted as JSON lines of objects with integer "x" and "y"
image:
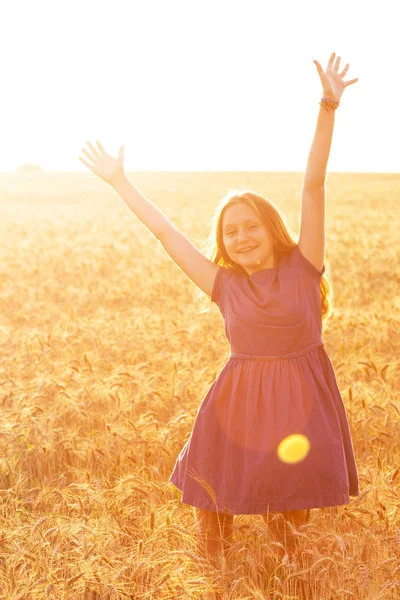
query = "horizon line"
{"x": 44, "y": 172}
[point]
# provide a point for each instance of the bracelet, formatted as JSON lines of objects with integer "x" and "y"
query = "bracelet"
{"x": 329, "y": 104}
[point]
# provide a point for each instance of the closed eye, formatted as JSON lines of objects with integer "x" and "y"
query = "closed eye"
{"x": 251, "y": 227}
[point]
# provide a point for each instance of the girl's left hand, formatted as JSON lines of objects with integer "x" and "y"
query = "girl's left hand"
{"x": 332, "y": 81}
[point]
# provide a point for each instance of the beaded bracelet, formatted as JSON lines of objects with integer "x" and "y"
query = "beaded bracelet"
{"x": 329, "y": 104}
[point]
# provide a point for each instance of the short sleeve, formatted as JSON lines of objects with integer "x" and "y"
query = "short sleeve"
{"x": 220, "y": 284}
{"x": 300, "y": 262}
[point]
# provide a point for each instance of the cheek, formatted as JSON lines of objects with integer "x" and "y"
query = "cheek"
{"x": 267, "y": 241}
{"x": 228, "y": 243}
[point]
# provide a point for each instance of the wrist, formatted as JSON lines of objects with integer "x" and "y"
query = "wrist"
{"x": 329, "y": 104}
{"x": 118, "y": 180}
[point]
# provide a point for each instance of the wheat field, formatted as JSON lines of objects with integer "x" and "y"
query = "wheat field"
{"x": 105, "y": 360}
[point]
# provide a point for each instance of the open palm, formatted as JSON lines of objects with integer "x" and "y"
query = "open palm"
{"x": 102, "y": 164}
{"x": 332, "y": 81}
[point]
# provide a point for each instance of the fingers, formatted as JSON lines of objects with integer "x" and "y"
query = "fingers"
{"x": 332, "y": 66}
{"x": 87, "y": 154}
{"x": 320, "y": 72}
{"x": 93, "y": 149}
{"x": 100, "y": 147}
{"x": 335, "y": 68}
{"x": 336, "y": 65}
{"x": 350, "y": 82}
{"x": 330, "y": 62}
{"x": 85, "y": 163}
{"x": 343, "y": 73}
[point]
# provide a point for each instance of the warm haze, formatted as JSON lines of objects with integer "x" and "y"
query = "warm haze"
{"x": 105, "y": 355}
{"x": 218, "y": 86}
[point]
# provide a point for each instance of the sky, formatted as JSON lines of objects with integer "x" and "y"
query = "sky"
{"x": 196, "y": 86}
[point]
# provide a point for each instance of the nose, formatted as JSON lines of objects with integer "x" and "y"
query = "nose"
{"x": 242, "y": 236}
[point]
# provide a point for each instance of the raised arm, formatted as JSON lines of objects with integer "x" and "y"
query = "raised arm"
{"x": 312, "y": 226}
{"x": 193, "y": 263}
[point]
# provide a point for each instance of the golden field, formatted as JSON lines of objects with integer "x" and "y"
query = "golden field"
{"x": 105, "y": 360}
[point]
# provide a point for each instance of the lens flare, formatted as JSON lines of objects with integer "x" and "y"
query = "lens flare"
{"x": 293, "y": 448}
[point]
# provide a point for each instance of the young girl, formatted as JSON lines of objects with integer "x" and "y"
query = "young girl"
{"x": 271, "y": 435}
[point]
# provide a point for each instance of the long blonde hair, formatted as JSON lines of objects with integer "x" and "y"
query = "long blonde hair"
{"x": 282, "y": 236}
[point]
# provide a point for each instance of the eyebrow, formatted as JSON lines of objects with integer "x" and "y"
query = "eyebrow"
{"x": 245, "y": 221}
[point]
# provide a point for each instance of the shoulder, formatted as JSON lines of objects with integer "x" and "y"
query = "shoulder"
{"x": 294, "y": 259}
{"x": 222, "y": 280}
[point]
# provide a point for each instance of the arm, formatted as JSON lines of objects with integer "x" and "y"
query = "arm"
{"x": 312, "y": 227}
{"x": 315, "y": 174}
{"x": 111, "y": 170}
{"x": 151, "y": 216}
{"x": 193, "y": 263}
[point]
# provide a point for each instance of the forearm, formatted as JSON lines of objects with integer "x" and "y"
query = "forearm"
{"x": 320, "y": 148}
{"x": 146, "y": 211}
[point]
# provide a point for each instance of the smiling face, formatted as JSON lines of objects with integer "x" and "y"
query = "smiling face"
{"x": 242, "y": 228}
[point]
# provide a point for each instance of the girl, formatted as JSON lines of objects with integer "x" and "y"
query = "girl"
{"x": 271, "y": 436}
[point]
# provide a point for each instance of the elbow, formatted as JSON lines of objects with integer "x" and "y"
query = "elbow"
{"x": 163, "y": 231}
{"x": 160, "y": 234}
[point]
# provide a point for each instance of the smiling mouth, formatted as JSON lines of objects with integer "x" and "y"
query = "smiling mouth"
{"x": 247, "y": 251}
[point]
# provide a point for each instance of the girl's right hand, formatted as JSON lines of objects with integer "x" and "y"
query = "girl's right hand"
{"x": 102, "y": 164}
